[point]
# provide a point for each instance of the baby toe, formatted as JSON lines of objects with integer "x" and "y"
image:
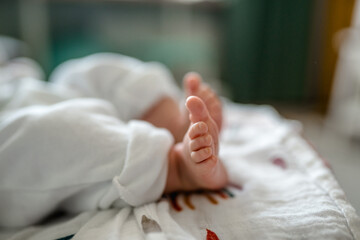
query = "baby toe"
{"x": 192, "y": 81}
{"x": 201, "y": 155}
{"x": 214, "y": 106}
{"x": 198, "y": 129}
{"x": 208, "y": 95}
{"x": 201, "y": 142}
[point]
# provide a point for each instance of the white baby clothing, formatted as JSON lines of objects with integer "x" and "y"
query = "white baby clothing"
{"x": 72, "y": 144}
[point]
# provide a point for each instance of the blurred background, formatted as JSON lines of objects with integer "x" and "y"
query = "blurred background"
{"x": 301, "y": 56}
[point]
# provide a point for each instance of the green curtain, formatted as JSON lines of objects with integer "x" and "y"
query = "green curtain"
{"x": 267, "y": 48}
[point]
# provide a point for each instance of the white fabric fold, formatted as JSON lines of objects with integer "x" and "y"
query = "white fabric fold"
{"x": 118, "y": 79}
{"x": 70, "y": 145}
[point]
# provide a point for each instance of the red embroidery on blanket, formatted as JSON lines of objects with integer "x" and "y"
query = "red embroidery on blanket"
{"x": 211, "y": 235}
{"x": 224, "y": 194}
{"x": 211, "y": 199}
{"x": 279, "y": 162}
{"x": 221, "y": 194}
{"x": 174, "y": 202}
{"x": 188, "y": 202}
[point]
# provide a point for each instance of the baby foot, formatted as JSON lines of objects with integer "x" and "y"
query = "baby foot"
{"x": 200, "y": 166}
{"x": 194, "y": 87}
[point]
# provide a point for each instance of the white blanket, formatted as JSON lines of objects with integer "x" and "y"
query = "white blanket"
{"x": 280, "y": 189}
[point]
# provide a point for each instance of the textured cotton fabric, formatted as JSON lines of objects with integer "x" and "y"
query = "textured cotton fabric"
{"x": 279, "y": 189}
{"x": 73, "y": 145}
{"x": 140, "y": 85}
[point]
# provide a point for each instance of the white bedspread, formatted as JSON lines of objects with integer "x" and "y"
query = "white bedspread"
{"x": 280, "y": 189}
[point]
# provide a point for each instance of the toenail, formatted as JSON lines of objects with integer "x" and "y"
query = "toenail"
{"x": 208, "y": 150}
{"x": 204, "y": 126}
{"x": 201, "y": 127}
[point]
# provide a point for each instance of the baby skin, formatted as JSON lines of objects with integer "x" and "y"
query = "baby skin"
{"x": 194, "y": 162}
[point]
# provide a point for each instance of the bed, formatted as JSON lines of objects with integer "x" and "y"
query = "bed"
{"x": 280, "y": 188}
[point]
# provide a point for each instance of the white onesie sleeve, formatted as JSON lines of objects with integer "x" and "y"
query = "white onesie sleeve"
{"x": 77, "y": 155}
{"x": 131, "y": 85}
